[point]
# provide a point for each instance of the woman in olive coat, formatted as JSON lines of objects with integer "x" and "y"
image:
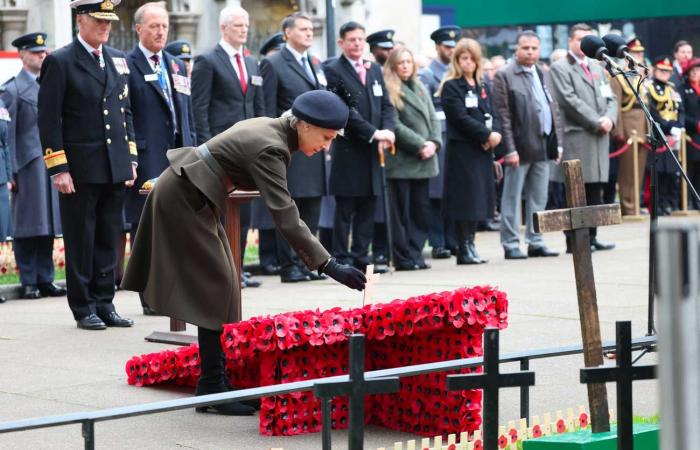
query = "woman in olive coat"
{"x": 415, "y": 162}
{"x": 470, "y": 190}
{"x": 181, "y": 259}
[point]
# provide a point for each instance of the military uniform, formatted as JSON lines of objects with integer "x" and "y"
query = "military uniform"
{"x": 667, "y": 109}
{"x": 630, "y": 117}
{"x": 86, "y": 130}
{"x": 35, "y": 227}
{"x": 441, "y": 230}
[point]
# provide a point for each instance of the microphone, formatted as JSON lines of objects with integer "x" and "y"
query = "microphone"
{"x": 617, "y": 47}
{"x": 594, "y": 47}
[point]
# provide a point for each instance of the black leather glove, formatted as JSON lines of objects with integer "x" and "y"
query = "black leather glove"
{"x": 347, "y": 275}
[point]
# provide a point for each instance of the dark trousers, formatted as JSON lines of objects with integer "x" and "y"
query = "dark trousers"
{"x": 442, "y": 231}
{"x": 410, "y": 219}
{"x": 91, "y": 219}
{"x": 34, "y": 257}
{"x": 693, "y": 168}
{"x": 267, "y": 247}
{"x": 380, "y": 242}
{"x": 309, "y": 212}
{"x": 325, "y": 235}
{"x": 356, "y": 214}
{"x": 245, "y": 226}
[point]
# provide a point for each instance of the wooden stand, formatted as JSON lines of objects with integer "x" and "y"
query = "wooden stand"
{"x": 636, "y": 217}
{"x": 232, "y": 226}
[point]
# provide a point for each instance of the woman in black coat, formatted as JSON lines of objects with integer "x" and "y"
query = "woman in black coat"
{"x": 691, "y": 101}
{"x": 470, "y": 191}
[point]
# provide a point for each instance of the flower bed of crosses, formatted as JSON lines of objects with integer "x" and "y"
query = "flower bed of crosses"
{"x": 304, "y": 345}
{"x": 7, "y": 257}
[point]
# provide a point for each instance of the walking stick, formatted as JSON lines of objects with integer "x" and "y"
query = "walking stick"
{"x": 387, "y": 217}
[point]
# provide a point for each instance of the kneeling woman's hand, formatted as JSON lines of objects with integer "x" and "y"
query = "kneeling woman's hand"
{"x": 345, "y": 274}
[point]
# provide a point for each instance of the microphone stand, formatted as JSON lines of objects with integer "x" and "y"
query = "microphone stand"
{"x": 656, "y": 137}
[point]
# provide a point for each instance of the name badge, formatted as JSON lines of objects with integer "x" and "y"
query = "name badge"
{"x": 440, "y": 115}
{"x": 151, "y": 77}
{"x": 5, "y": 114}
{"x": 471, "y": 100}
{"x": 488, "y": 121}
{"x": 377, "y": 89}
{"x": 121, "y": 66}
{"x": 605, "y": 90}
{"x": 256, "y": 80}
{"x": 181, "y": 84}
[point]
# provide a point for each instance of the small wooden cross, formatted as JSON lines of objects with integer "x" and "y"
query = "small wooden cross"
{"x": 623, "y": 374}
{"x": 356, "y": 388}
{"x": 371, "y": 279}
{"x": 490, "y": 381}
{"x": 578, "y": 218}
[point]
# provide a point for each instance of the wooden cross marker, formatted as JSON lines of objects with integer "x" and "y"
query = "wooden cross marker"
{"x": 623, "y": 374}
{"x": 356, "y": 388}
{"x": 371, "y": 279}
{"x": 578, "y": 218}
{"x": 490, "y": 381}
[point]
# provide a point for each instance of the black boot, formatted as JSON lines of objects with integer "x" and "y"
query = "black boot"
{"x": 465, "y": 234}
{"x": 475, "y": 254}
{"x": 212, "y": 379}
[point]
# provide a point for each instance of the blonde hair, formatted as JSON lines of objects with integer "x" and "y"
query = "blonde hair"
{"x": 392, "y": 79}
{"x": 455, "y": 71}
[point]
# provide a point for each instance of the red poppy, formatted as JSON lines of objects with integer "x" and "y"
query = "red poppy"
{"x": 478, "y": 445}
{"x": 176, "y": 68}
{"x": 583, "y": 420}
{"x": 502, "y": 441}
{"x": 561, "y": 426}
{"x": 513, "y": 435}
{"x": 536, "y": 431}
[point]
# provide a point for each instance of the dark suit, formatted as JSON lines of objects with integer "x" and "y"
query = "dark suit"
{"x": 35, "y": 211}
{"x": 153, "y": 121}
{"x": 86, "y": 130}
{"x": 355, "y": 177}
{"x": 284, "y": 80}
{"x": 218, "y": 102}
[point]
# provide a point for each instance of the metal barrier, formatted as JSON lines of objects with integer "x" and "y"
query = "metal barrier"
{"x": 88, "y": 419}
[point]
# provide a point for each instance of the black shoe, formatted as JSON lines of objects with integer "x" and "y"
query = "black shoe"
{"x": 313, "y": 276}
{"x": 91, "y": 322}
{"x": 440, "y": 253}
{"x": 3, "y": 299}
{"x": 115, "y": 320}
{"x": 147, "y": 311}
{"x": 381, "y": 268}
{"x": 465, "y": 257}
{"x": 380, "y": 259}
{"x": 541, "y": 251}
{"x": 514, "y": 253}
{"x": 31, "y": 292}
{"x": 293, "y": 275}
{"x": 601, "y": 245}
{"x": 422, "y": 265}
{"x": 270, "y": 270}
{"x": 51, "y": 290}
{"x": 247, "y": 282}
{"x": 406, "y": 267}
{"x": 226, "y": 409}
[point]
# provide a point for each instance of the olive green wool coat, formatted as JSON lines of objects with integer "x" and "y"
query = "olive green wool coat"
{"x": 181, "y": 259}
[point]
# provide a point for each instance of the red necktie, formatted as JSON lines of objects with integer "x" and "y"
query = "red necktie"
{"x": 241, "y": 74}
{"x": 587, "y": 71}
{"x": 362, "y": 72}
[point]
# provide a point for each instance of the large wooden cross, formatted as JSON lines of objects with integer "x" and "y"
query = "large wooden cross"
{"x": 577, "y": 219}
{"x": 491, "y": 381}
{"x": 623, "y": 374}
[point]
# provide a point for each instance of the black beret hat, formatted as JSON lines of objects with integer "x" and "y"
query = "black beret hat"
{"x": 273, "y": 42}
{"x": 321, "y": 108}
{"x": 446, "y": 35}
{"x": 181, "y": 48}
{"x": 383, "y": 39}
{"x": 34, "y": 42}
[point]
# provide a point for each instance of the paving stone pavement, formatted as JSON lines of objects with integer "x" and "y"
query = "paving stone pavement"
{"x": 49, "y": 367}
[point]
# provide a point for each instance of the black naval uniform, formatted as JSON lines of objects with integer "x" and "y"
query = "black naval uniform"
{"x": 86, "y": 130}
{"x": 667, "y": 109}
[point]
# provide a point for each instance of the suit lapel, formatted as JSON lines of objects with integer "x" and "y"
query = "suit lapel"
{"x": 27, "y": 88}
{"x": 110, "y": 72}
{"x": 87, "y": 62}
{"x": 296, "y": 67}
{"x": 141, "y": 64}
{"x": 412, "y": 98}
{"x": 345, "y": 63}
{"x": 250, "y": 68}
{"x": 228, "y": 67}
